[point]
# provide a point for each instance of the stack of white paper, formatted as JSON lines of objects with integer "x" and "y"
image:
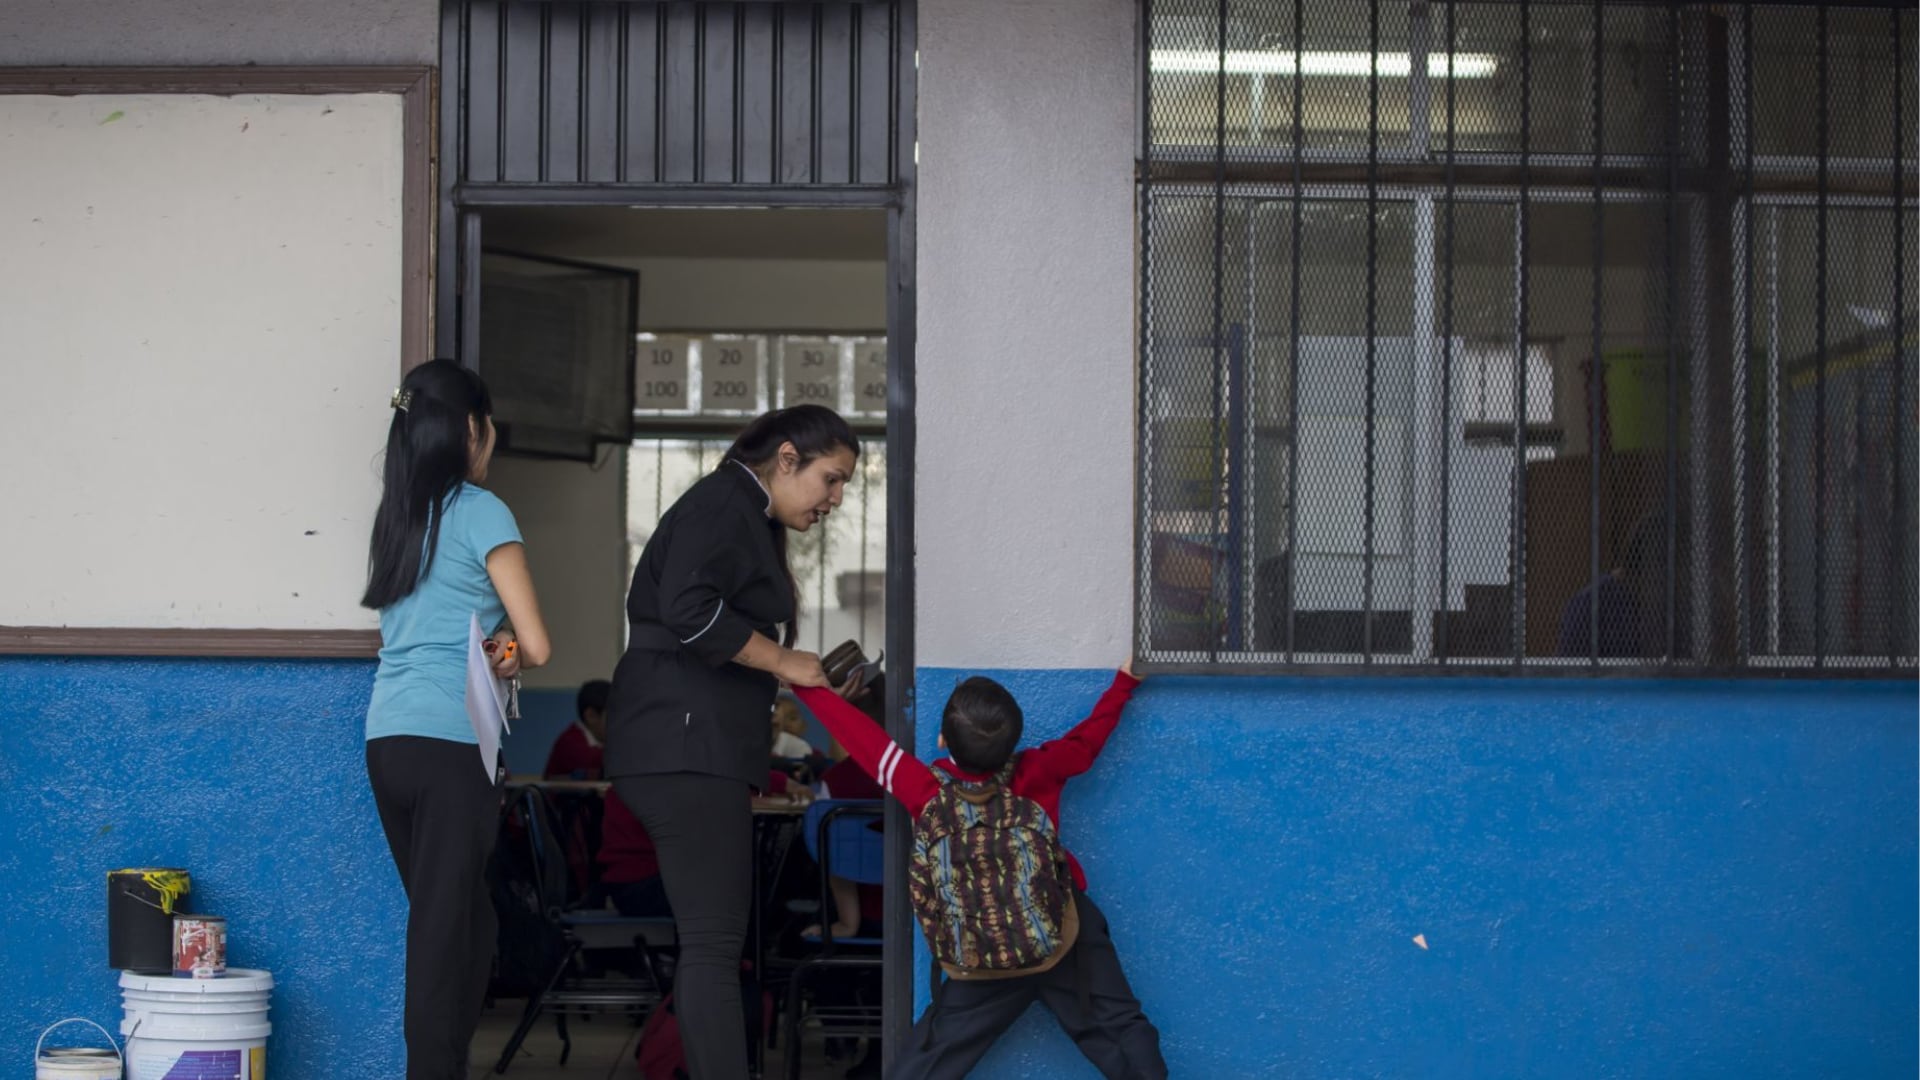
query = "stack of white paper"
{"x": 486, "y": 698}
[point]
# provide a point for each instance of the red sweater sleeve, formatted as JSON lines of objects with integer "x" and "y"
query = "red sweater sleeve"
{"x": 1073, "y": 753}
{"x": 572, "y": 753}
{"x": 904, "y": 776}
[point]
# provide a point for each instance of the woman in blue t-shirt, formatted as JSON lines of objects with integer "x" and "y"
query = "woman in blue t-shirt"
{"x": 444, "y": 552}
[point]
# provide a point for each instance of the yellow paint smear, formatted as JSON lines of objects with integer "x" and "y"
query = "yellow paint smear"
{"x": 171, "y": 885}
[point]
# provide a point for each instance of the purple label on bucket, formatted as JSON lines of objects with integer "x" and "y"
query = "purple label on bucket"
{"x": 206, "y": 1065}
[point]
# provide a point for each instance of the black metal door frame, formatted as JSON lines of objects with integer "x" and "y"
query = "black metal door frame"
{"x": 457, "y": 324}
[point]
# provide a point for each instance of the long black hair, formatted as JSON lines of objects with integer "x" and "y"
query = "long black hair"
{"x": 814, "y": 431}
{"x": 435, "y": 412}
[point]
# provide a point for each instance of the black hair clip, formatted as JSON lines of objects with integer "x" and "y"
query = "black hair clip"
{"x": 402, "y": 400}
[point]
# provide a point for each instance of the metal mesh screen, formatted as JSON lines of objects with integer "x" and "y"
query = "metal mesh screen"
{"x": 1527, "y": 336}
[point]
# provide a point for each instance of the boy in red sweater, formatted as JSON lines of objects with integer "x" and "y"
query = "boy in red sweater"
{"x": 1088, "y": 991}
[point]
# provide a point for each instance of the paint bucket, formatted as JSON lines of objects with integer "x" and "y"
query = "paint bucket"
{"x": 76, "y": 1063}
{"x": 199, "y": 946}
{"x": 196, "y": 1027}
{"x": 140, "y": 908}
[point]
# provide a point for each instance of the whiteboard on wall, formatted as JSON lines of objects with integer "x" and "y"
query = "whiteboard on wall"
{"x": 200, "y": 326}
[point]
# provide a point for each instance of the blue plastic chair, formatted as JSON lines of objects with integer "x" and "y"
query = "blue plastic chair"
{"x": 844, "y": 837}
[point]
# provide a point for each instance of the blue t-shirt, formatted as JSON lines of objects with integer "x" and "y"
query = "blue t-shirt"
{"x": 421, "y": 687}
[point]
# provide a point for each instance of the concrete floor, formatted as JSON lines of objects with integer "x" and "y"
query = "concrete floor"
{"x": 603, "y": 1047}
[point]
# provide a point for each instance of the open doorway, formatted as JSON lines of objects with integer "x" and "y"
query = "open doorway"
{"x": 701, "y": 319}
{"x": 738, "y": 311}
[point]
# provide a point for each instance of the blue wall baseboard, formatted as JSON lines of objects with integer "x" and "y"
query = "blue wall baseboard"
{"x": 1612, "y": 878}
{"x": 544, "y": 714}
{"x": 250, "y": 774}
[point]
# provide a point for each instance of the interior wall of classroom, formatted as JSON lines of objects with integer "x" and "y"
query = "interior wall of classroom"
{"x": 575, "y": 516}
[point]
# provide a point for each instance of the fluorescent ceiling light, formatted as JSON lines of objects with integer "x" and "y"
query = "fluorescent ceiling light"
{"x": 1389, "y": 65}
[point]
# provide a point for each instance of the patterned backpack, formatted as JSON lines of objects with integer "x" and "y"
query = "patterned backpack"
{"x": 990, "y": 883}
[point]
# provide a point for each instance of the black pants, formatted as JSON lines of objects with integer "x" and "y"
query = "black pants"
{"x": 702, "y": 828}
{"x": 441, "y": 814}
{"x": 1087, "y": 992}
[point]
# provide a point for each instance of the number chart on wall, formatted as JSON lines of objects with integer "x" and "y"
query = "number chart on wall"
{"x": 679, "y": 375}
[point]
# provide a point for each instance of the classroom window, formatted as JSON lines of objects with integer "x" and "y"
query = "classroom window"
{"x": 693, "y": 392}
{"x": 1528, "y": 337}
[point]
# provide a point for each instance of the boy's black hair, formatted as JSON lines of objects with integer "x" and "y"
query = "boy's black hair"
{"x": 593, "y": 695}
{"x": 982, "y": 725}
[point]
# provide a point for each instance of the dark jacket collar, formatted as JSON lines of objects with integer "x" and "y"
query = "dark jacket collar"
{"x": 749, "y": 481}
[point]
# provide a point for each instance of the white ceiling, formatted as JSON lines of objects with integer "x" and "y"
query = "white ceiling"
{"x": 622, "y": 234}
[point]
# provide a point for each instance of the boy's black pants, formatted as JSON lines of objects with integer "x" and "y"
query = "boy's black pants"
{"x": 441, "y": 815}
{"x": 1087, "y": 992}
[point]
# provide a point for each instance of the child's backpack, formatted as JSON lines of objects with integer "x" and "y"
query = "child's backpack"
{"x": 990, "y": 883}
{"x": 661, "y": 1055}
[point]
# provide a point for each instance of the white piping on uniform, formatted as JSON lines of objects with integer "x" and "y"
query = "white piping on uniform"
{"x": 717, "y": 609}
{"x": 761, "y": 483}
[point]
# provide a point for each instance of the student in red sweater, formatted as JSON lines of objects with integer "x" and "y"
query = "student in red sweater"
{"x": 577, "y": 753}
{"x": 1088, "y": 992}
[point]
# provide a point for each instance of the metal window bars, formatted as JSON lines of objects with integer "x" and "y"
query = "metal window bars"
{"x": 1525, "y": 336}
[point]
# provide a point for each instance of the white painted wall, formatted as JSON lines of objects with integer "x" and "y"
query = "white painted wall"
{"x": 100, "y": 32}
{"x": 199, "y": 329}
{"x": 1025, "y": 350}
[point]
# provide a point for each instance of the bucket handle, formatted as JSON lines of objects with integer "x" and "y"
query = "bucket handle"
{"x": 78, "y": 1020}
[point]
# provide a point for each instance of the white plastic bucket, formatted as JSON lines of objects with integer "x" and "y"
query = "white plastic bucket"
{"x": 63, "y": 1063}
{"x": 217, "y": 1028}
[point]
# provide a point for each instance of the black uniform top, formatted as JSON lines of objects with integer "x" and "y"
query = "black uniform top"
{"x": 709, "y": 579}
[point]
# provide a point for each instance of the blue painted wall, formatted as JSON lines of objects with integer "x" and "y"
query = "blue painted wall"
{"x": 251, "y": 775}
{"x": 1614, "y": 879}
{"x": 544, "y": 714}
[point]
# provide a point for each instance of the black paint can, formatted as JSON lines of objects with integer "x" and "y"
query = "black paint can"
{"x": 141, "y": 904}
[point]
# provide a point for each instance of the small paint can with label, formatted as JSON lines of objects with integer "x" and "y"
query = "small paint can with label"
{"x": 199, "y": 946}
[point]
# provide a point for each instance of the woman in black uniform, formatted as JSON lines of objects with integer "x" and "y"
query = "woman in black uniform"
{"x": 687, "y": 723}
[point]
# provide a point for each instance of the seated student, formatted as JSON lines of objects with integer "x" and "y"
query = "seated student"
{"x": 789, "y": 732}
{"x": 576, "y": 754}
{"x": 977, "y": 909}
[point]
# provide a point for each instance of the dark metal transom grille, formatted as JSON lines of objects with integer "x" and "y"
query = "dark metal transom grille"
{"x": 1527, "y": 336}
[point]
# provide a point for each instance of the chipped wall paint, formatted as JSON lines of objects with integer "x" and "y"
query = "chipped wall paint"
{"x": 1611, "y": 879}
{"x": 252, "y": 775}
